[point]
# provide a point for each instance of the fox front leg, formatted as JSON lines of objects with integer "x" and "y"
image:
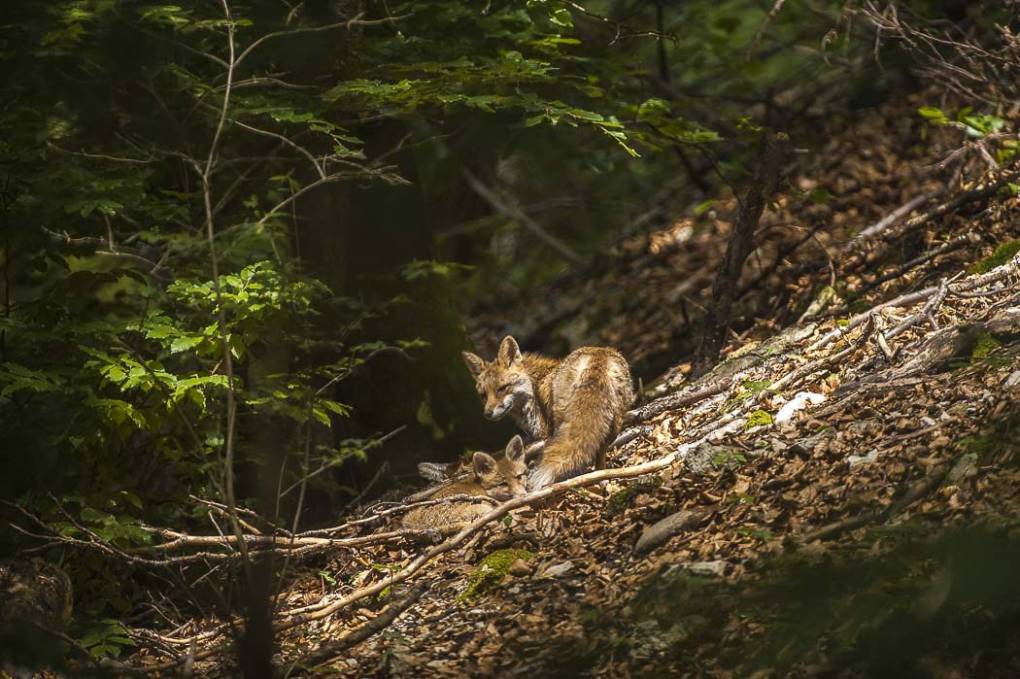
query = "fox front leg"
{"x": 534, "y": 450}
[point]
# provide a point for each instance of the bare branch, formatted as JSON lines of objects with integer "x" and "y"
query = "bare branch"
{"x": 332, "y": 649}
{"x": 519, "y": 216}
{"x": 356, "y": 21}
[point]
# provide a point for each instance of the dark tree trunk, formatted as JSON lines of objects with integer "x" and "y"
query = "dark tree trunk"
{"x": 763, "y": 184}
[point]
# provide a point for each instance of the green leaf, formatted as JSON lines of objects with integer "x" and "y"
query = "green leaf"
{"x": 933, "y": 115}
{"x": 180, "y": 344}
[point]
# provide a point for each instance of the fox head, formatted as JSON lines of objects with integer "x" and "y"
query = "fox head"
{"x": 503, "y": 384}
{"x": 510, "y": 469}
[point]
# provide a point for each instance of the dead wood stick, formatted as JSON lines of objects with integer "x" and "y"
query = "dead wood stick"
{"x": 969, "y": 283}
{"x": 798, "y": 374}
{"x": 941, "y": 346}
{"x": 781, "y": 257}
{"x": 676, "y": 400}
{"x": 949, "y": 246}
{"x": 864, "y": 252}
{"x": 408, "y": 504}
{"x": 893, "y": 217}
{"x": 300, "y": 544}
{"x": 930, "y": 307}
{"x": 628, "y": 435}
{"x": 331, "y": 650}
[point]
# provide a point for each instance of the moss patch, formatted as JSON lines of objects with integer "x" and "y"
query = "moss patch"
{"x": 984, "y": 345}
{"x": 491, "y": 571}
{"x": 728, "y": 458}
{"x": 622, "y": 499}
{"x": 1002, "y": 254}
{"x": 755, "y": 387}
{"x": 758, "y": 418}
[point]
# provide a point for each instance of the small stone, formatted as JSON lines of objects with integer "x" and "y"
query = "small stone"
{"x": 940, "y": 442}
{"x": 1013, "y": 380}
{"x": 802, "y": 400}
{"x": 557, "y": 570}
{"x": 716, "y": 568}
{"x": 857, "y": 460}
{"x": 520, "y": 568}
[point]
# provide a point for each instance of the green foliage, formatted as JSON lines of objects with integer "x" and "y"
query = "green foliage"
{"x": 668, "y": 127}
{"x": 105, "y": 638}
{"x": 750, "y": 388}
{"x": 418, "y": 269}
{"x": 976, "y": 125}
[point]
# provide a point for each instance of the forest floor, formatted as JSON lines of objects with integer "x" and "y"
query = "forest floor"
{"x": 869, "y": 409}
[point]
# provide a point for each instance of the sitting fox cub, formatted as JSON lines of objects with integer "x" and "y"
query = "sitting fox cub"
{"x": 488, "y": 474}
{"x": 576, "y": 403}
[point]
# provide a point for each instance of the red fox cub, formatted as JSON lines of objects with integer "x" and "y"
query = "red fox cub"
{"x": 487, "y": 475}
{"x": 576, "y": 403}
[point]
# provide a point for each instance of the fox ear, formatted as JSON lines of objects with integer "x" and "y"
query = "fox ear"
{"x": 484, "y": 464}
{"x": 473, "y": 362}
{"x": 509, "y": 352}
{"x": 515, "y": 449}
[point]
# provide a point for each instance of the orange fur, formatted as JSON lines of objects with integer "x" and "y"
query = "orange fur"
{"x": 576, "y": 403}
{"x": 488, "y": 476}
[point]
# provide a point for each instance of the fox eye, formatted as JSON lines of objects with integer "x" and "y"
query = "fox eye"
{"x": 505, "y": 388}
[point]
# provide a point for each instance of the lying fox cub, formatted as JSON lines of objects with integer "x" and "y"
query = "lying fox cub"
{"x": 576, "y": 403}
{"x": 488, "y": 475}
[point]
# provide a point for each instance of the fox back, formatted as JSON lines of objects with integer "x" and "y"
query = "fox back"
{"x": 488, "y": 476}
{"x": 577, "y": 403}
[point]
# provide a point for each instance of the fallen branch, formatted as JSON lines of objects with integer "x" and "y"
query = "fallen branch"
{"x": 400, "y": 508}
{"x": 300, "y": 544}
{"x": 795, "y": 376}
{"x": 682, "y": 398}
{"x": 861, "y": 252}
{"x": 958, "y": 340}
{"x": 332, "y": 649}
{"x": 906, "y": 267}
{"x": 890, "y": 219}
{"x": 930, "y": 307}
{"x": 628, "y": 435}
{"x": 971, "y": 283}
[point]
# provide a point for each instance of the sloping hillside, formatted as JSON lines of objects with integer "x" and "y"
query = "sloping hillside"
{"x": 856, "y": 422}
